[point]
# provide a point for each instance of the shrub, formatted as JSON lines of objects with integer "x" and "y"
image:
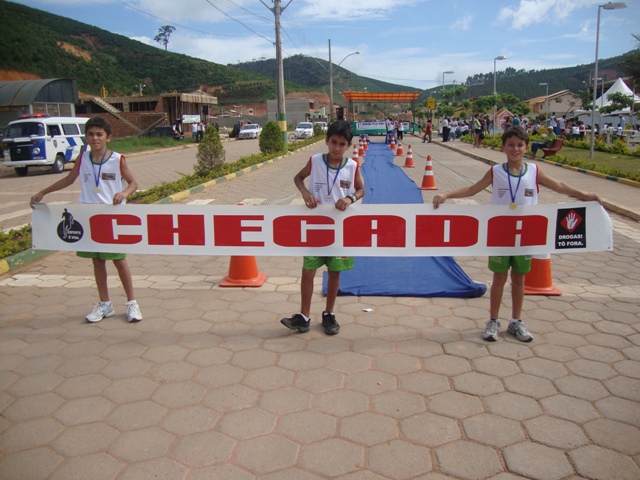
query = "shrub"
{"x": 317, "y": 130}
{"x": 15, "y": 241}
{"x": 271, "y": 140}
{"x": 210, "y": 152}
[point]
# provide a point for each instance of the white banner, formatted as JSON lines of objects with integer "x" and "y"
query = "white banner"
{"x": 363, "y": 230}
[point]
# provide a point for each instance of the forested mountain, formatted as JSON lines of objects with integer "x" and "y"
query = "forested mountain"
{"x": 51, "y": 46}
{"x": 314, "y": 72}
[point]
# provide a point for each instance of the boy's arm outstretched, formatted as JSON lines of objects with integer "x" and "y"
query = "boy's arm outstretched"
{"x": 561, "y": 187}
{"x": 59, "y": 185}
{"x": 469, "y": 191}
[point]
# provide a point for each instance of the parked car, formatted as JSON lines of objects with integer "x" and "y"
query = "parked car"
{"x": 323, "y": 125}
{"x": 304, "y": 129}
{"x": 251, "y": 130}
{"x": 163, "y": 132}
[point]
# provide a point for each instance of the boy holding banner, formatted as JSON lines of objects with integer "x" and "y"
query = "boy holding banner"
{"x": 103, "y": 174}
{"x": 333, "y": 180}
{"x": 513, "y": 183}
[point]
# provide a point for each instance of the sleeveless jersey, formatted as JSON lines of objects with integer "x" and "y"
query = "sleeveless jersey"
{"x": 323, "y": 178}
{"x": 526, "y": 192}
{"x": 107, "y": 176}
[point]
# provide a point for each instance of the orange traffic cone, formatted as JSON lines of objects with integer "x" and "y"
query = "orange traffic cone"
{"x": 355, "y": 153}
{"x": 399, "y": 151}
{"x": 538, "y": 281}
{"x": 393, "y": 144}
{"x": 408, "y": 163}
{"x": 428, "y": 182}
{"x": 365, "y": 142}
{"x": 243, "y": 272}
{"x": 361, "y": 149}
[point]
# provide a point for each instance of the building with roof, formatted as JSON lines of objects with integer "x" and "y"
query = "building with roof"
{"x": 563, "y": 103}
{"x": 55, "y": 97}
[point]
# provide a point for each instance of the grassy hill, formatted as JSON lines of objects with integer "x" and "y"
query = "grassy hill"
{"x": 66, "y": 48}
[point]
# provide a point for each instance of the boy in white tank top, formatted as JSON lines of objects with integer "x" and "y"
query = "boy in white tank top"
{"x": 513, "y": 183}
{"x": 103, "y": 175}
{"x": 332, "y": 181}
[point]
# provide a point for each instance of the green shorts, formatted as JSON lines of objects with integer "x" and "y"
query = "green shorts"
{"x": 334, "y": 264}
{"x": 102, "y": 255}
{"x": 519, "y": 263}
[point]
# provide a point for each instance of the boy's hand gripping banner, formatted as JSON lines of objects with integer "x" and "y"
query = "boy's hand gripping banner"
{"x": 362, "y": 230}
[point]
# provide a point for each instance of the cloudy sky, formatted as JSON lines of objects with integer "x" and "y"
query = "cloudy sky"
{"x": 408, "y": 42}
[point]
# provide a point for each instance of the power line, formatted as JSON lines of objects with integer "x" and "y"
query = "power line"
{"x": 238, "y": 21}
{"x": 173, "y": 23}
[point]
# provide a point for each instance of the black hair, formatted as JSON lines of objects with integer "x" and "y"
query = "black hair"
{"x": 518, "y": 131}
{"x": 341, "y": 128}
{"x": 98, "y": 122}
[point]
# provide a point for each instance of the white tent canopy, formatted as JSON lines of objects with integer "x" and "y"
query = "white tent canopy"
{"x": 618, "y": 87}
{"x": 603, "y": 101}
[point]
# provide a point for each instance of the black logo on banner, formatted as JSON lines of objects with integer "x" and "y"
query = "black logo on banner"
{"x": 571, "y": 228}
{"x": 69, "y": 230}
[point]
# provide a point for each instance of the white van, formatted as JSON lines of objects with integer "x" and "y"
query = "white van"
{"x": 39, "y": 140}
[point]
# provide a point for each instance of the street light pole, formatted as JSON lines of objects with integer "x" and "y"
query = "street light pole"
{"x": 546, "y": 101}
{"x": 448, "y": 72}
{"x": 331, "y": 78}
{"x": 495, "y": 92}
{"x": 606, "y": 6}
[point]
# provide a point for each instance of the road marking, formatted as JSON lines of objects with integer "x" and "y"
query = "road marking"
{"x": 27, "y": 211}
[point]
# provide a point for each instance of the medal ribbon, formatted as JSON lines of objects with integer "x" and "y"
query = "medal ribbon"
{"x": 329, "y": 189}
{"x": 97, "y": 177}
{"x": 511, "y": 192}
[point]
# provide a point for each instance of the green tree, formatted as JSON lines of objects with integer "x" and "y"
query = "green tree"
{"x": 618, "y": 101}
{"x": 630, "y": 63}
{"x": 163, "y": 35}
{"x": 271, "y": 140}
{"x": 210, "y": 154}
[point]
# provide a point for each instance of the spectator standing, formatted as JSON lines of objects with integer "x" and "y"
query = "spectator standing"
{"x": 445, "y": 129}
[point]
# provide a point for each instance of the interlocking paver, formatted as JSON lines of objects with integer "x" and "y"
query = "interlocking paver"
{"x": 537, "y": 461}
{"x": 468, "y": 460}
{"x": 593, "y": 461}
{"x": 210, "y": 385}
{"x": 555, "y": 432}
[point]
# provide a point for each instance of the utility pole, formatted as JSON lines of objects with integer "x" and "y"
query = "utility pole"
{"x": 282, "y": 115}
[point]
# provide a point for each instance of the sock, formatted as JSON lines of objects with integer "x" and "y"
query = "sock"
{"x": 105, "y": 304}
{"x": 514, "y": 320}
{"x": 306, "y": 319}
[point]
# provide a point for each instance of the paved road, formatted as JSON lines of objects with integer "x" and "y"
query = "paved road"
{"x": 210, "y": 385}
{"x": 149, "y": 169}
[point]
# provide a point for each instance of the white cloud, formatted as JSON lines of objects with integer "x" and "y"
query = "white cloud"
{"x": 463, "y": 23}
{"x": 336, "y": 10}
{"x": 529, "y": 12}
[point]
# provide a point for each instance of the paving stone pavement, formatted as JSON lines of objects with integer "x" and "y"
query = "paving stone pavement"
{"x": 210, "y": 385}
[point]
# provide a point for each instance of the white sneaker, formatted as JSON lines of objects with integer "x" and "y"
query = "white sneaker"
{"x": 100, "y": 311}
{"x": 491, "y": 330}
{"x": 133, "y": 311}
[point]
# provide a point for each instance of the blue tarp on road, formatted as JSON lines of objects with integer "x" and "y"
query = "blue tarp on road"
{"x": 386, "y": 183}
